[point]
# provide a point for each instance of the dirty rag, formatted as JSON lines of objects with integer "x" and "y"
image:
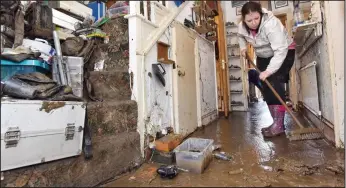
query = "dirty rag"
{"x": 37, "y": 86}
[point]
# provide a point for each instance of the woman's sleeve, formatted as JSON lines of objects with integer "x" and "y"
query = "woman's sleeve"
{"x": 277, "y": 37}
{"x": 241, "y": 39}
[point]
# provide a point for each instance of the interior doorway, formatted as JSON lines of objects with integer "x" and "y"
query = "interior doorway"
{"x": 283, "y": 19}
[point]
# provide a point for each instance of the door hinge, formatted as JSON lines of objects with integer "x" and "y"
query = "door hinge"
{"x": 12, "y": 137}
{"x": 69, "y": 131}
{"x": 223, "y": 64}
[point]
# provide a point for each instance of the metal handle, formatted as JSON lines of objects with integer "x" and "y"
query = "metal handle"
{"x": 180, "y": 73}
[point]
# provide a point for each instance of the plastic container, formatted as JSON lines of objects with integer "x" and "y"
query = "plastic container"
{"x": 119, "y": 11}
{"x": 76, "y": 68}
{"x": 10, "y": 68}
{"x": 194, "y": 154}
{"x": 39, "y": 45}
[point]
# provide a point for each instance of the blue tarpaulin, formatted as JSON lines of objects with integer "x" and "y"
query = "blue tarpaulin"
{"x": 178, "y": 3}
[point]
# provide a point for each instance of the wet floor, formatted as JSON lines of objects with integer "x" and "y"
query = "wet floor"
{"x": 255, "y": 161}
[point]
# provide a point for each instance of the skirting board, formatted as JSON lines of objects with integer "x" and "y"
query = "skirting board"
{"x": 322, "y": 125}
{"x": 210, "y": 117}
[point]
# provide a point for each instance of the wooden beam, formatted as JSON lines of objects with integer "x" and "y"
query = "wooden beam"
{"x": 223, "y": 60}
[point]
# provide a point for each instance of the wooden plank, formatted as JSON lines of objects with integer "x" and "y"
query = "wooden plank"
{"x": 223, "y": 59}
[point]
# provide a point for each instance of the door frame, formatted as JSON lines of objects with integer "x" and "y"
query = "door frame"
{"x": 222, "y": 71}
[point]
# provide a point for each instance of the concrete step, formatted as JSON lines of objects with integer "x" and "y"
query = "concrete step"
{"x": 112, "y": 117}
{"x": 116, "y": 56}
{"x": 111, "y": 85}
{"x": 112, "y": 156}
{"x": 117, "y": 29}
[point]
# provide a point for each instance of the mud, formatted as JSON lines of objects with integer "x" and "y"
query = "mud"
{"x": 255, "y": 161}
{"x": 113, "y": 117}
{"x": 111, "y": 85}
{"x": 49, "y": 106}
{"x": 112, "y": 156}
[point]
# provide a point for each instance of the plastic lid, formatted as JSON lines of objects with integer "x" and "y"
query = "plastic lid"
{"x": 28, "y": 62}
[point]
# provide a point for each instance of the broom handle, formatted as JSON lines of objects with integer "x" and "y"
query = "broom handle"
{"x": 277, "y": 96}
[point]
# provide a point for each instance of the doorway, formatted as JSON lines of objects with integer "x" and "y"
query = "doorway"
{"x": 283, "y": 19}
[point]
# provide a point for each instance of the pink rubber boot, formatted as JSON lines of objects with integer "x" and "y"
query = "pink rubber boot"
{"x": 277, "y": 128}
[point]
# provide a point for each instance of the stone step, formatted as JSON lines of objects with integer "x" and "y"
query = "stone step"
{"x": 111, "y": 85}
{"x": 114, "y": 57}
{"x": 112, "y": 156}
{"x": 112, "y": 117}
{"x": 117, "y": 29}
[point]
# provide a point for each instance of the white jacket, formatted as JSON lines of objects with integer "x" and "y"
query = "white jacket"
{"x": 272, "y": 40}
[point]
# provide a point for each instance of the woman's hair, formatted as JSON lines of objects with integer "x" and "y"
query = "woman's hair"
{"x": 247, "y": 9}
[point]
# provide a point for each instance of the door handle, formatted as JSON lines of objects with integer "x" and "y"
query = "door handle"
{"x": 180, "y": 73}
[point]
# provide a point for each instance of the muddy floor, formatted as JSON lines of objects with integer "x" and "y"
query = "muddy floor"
{"x": 256, "y": 162}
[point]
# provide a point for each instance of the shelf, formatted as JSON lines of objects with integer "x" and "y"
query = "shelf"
{"x": 306, "y": 35}
{"x": 233, "y": 46}
{"x": 237, "y": 104}
{"x": 208, "y": 11}
{"x": 237, "y": 92}
{"x": 302, "y": 31}
{"x": 231, "y": 34}
{"x": 234, "y": 80}
{"x": 234, "y": 25}
{"x": 234, "y": 68}
{"x": 234, "y": 56}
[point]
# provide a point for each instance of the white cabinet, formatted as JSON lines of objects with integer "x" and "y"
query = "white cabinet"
{"x": 34, "y": 131}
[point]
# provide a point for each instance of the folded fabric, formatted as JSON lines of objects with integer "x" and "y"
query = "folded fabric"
{"x": 37, "y": 86}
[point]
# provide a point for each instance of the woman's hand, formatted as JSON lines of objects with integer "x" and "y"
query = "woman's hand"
{"x": 264, "y": 75}
{"x": 243, "y": 52}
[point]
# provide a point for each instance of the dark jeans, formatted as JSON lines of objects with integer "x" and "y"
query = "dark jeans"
{"x": 278, "y": 79}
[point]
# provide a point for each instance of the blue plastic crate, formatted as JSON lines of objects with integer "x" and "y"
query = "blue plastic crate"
{"x": 10, "y": 68}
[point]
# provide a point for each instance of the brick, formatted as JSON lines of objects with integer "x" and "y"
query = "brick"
{"x": 168, "y": 142}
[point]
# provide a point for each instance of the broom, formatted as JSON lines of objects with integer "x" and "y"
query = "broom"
{"x": 301, "y": 134}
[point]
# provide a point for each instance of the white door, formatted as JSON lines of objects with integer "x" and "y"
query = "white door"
{"x": 184, "y": 80}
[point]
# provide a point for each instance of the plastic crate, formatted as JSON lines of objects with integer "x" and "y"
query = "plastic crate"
{"x": 194, "y": 154}
{"x": 10, "y": 68}
{"x": 119, "y": 11}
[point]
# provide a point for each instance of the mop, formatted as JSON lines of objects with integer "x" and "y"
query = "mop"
{"x": 301, "y": 134}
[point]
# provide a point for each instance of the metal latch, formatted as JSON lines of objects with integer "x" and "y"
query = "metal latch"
{"x": 12, "y": 137}
{"x": 69, "y": 131}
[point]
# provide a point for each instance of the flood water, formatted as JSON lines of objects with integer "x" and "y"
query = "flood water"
{"x": 256, "y": 162}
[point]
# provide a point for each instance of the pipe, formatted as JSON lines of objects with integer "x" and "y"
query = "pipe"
{"x": 308, "y": 66}
{"x": 59, "y": 57}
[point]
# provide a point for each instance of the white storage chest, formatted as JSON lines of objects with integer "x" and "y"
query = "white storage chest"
{"x": 34, "y": 131}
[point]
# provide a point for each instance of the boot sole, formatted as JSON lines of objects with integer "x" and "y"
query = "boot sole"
{"x": 271, "y": 136}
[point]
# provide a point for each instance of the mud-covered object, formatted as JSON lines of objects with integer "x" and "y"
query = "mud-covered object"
{"x": 18, "y": 28}
{"x": 7, "y": 19}
{"x": 19, "y": 54}
{"x": 6, "y": 42}
{"x": 76, "y": 46}
{"x": 72, "y": 46}
{"x": 40, "y": 19}
{"x": 37, "y": 86}
{"x": 9, "y": 6}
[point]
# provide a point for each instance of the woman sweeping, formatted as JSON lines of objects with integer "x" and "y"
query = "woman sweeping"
{"x": 275, "y": 52}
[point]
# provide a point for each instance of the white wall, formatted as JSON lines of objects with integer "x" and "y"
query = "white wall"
{"x": 159, "y": 98}
{"x": 335, "y": 20}
{"x": 207, "y": 80}
{"x": 155, "y": 109}
{"x": 230, "y": 12}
